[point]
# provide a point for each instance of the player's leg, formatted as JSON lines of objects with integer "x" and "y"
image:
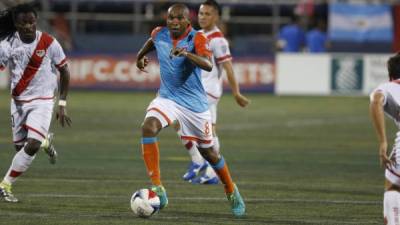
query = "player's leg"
{"x": 209, "y": 176}
{"x": 196, "y": 126}
{"x": 150, "y": 128}
{"x": 391, "y": 204}
{"x": 30, "y": 121}
{"x": 159, "y": 115}
{"x": 197, "y": 163}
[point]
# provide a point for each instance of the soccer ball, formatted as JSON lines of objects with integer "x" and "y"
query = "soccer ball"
{"x": 145, "y": 203}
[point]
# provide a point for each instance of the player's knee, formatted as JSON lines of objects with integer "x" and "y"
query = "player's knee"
{"x": 209, "y": 154}
{"x": 149, "y": 130}
{"x": 32, "y": 146}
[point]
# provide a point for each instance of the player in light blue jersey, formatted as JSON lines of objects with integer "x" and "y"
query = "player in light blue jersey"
{"x": 182, "y": 52}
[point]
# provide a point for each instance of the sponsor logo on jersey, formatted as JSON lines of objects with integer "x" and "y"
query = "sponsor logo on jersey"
{"x": 40, "y": 53}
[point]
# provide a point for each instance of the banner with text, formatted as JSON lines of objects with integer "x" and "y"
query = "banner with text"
{"x": 120, "y": 73}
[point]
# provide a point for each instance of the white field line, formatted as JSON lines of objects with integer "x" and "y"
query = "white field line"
{"x": 146, "y": 181}
{"x": 293, "y": 123}
{"x": 181, "y": 219}
{"x": 212, "y": 199}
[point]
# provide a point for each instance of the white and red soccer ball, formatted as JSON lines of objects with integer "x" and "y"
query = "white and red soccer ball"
{"x": 145, "y": 203}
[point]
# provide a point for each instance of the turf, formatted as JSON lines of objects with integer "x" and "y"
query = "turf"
{"x": 296, "y": 160}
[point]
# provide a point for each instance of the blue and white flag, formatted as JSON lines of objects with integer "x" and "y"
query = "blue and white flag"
{"x": 360, "y": 22}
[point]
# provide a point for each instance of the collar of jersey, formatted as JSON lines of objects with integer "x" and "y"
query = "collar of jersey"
{"x": 188, "y": 29}
{"x": 397, "y": 81}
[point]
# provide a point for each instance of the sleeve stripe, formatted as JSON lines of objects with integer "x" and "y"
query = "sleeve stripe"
{"x": 155, "y": 31}
{"x": 224, "y": 58}
{"x": 62, "y": 63}
{"x": 200, "y": 45}
{"x": 214, "y": 35}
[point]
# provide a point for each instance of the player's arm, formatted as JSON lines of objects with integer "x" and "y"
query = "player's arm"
{"x": 61, "y": 115}
{"x": 4, "y": 54}
{"x": 203, "y": 62}
{"x": 141, "y": 60}
{"x": 378, "y": 119}
{"x": 240, "y": 99}
{"x": 201, "y": 57}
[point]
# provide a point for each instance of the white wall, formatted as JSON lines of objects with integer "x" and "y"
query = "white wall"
{"x": 314, "y": 74}
{"x": 303, "y": 74}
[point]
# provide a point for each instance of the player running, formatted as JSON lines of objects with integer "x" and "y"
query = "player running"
{"x": 182, "y": 52}
{"x": 208, "y": 17}
{"x": 30, "y": 55}
{"x": 386, "y": 99}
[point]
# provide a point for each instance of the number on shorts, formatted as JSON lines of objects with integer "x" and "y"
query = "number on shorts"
{"x": 207, "y": 130}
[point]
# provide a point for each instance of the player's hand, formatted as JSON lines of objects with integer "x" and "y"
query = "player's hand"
{"x": 62, "y": 116}
{"x": 241, "y": 100}
{"x": 384, "y": 160}
{"x": 142, "y": 63}
{"x": 178, "y": 52}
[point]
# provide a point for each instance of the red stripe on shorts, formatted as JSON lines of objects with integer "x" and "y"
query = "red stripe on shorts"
{"x": 34, "y": 130}
{"x": 196, "y": 139}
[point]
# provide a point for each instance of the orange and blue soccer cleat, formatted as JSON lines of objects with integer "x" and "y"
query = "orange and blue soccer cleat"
{"x": 162, "y": 194}
{"x": 237, "y": 204}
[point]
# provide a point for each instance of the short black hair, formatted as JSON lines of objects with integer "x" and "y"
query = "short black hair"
{"x": 393, "y": 65}
{"x": 213, "y": 4}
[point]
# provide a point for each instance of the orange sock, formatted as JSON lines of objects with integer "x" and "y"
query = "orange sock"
{"x": 224, "y": 175}
{"x": 151, "y": 158}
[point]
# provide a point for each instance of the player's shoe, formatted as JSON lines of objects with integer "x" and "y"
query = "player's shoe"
{"x": 237, "y": 204}
{"x": 162, "y": 194}
{"x": 6, "y": 194}
{"x": 193, "y": 170}
{"x": 204, "y": 179}
{"x": 49, "y": 148}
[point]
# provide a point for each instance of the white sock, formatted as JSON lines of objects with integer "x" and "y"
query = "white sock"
{"x": 194, "y": 152}
{"x": 391, "y": 207}
{"x": 216, "y": 144}
{"x": 20, "y": 164}
{"x": 210, "y": 172}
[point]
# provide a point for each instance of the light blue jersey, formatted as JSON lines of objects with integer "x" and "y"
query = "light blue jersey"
{"x": 180, "y": 79}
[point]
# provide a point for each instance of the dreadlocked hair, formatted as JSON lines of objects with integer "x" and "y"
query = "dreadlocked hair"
{"x": 7, "y": 18}
{"x": 7, "y": 26}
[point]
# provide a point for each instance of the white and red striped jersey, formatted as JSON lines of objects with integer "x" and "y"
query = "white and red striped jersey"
{"x": 32, "y": 66}
{"x": 219, "y": 46}
{"x": 391, "y": 104}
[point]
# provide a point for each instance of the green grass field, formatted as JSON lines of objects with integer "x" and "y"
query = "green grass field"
{"x": 296, "y": 160}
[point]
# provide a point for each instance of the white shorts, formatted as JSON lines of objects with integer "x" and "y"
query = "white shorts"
{"x": 392, "y": 173}
{"x": 31, "y": 120}
{"x": 193, "y": 126}
{"x": 212, "y": 105}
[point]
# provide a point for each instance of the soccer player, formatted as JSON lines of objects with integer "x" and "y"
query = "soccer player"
{"x": 30, "y": 55}
{"x": 182, "y": 52}
{"x": 385, "y": 99}
{"x": 208, "y": 17}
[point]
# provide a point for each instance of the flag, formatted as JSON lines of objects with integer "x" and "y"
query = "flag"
{"x": 360, "y": 22}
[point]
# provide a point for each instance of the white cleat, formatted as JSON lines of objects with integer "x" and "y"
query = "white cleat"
{"x": 6, "y": 194}
{"x": 49, "y": 148}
